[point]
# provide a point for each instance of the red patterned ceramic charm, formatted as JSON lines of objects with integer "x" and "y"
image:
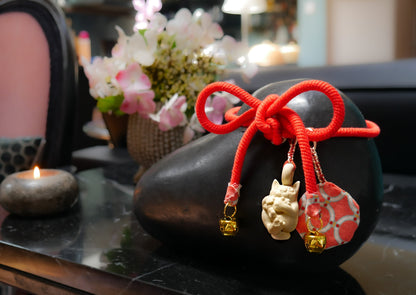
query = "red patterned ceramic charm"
{"x": 339, "y": 212}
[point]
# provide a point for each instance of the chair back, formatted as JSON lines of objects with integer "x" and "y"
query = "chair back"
{"x": 37, "y": 77}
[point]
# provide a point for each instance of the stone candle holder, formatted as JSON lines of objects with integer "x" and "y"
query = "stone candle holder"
{"x": 52, "y": 192}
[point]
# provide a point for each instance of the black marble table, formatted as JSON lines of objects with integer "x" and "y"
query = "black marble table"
{"x": 99, "y": 248}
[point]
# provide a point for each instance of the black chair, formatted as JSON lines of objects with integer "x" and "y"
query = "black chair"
{"x": 62, "y": 67}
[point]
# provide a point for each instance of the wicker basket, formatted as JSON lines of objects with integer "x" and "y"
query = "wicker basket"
{"x": 147, "y": 144}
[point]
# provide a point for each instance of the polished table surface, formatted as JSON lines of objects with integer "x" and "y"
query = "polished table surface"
{"x": 99, "y": 247}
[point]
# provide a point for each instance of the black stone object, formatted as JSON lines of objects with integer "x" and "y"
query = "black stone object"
{"x": 179, "y": 200}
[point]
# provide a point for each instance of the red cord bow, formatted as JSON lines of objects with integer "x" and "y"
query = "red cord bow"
{"x": 277, "y": 122}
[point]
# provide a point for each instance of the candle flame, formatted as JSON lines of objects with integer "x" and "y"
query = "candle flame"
{"x": 36, "y": 172}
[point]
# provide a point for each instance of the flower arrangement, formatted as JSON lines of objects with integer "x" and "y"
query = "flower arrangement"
{"x": 159, "y": 70}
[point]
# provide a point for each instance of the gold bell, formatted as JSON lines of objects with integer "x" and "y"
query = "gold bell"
{"x": 315, "y": 242}
{"x": 228, "y": 223}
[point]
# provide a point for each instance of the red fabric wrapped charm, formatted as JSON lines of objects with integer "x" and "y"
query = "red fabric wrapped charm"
{"x": 338, "y": 211}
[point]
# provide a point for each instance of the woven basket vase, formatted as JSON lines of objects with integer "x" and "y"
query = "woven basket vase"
{"x": 147, "y": 144}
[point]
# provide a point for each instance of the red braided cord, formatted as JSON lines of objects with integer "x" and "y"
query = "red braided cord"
{"x": 291, "y": 152}
{"x": 305, "y": 152}
{"x": 276, "y": 121}
{"x": 317, "y": 165}
{"x": 242, "y": 120}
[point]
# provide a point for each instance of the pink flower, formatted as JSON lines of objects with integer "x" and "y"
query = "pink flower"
{"x": 172, "y": 113}
{"x": 138, "y": 97}
{"x": 215, "y": 108}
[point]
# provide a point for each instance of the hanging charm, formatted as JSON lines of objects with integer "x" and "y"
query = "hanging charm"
{"x": 315, "y": 241}
{"x": 338, "y": 212}
{"x": 280, "y": 207}
{"x": 228, "y": 223}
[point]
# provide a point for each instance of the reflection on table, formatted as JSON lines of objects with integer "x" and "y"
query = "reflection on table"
{"x": 99, "y": 247}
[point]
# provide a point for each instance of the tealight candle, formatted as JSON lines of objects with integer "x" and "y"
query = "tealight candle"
{"x": 38, "y": 192}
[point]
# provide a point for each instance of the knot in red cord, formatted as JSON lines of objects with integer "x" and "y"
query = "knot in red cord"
{"x": 270, "y": 126}
{"x": 273, "y": 132}
{"x": 272, "y": 116}
{"x": 274, "y": 124}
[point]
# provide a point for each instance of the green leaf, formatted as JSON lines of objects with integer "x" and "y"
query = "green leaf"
{"x": 119, "y": 113}
{"x": 142, "y": 31}
{"x": 110, "y": 104}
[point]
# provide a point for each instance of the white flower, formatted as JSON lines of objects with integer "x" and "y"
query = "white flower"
{"x": 210, "y": 30}
{"x": 229, "y": 50}
{"x": 249, "y": 70}
{"x": 233, "y": 50}
{"x": 145, "y": 12}
{"x": 142, "y": 48}
{"x": 195, "y": 125}
{"x": 121, "y": 46}
{"x": 158, "y": 22}
{"x": 230, "y": 99}
{"x": 193, "y": 31}
{"x": 187, "y": 33}
{"x": 101, "y": 76}
{"x": 138, "y": 47}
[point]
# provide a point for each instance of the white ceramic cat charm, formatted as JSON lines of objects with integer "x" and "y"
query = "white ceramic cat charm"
{"x": 280, "y": 208}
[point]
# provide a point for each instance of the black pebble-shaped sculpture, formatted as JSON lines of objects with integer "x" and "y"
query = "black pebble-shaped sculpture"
{"x": 179, "y": 200}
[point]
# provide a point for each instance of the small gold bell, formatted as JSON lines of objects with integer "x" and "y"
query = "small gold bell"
{"x": 315, "y": 242}
{"x": 228, "y": 224}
